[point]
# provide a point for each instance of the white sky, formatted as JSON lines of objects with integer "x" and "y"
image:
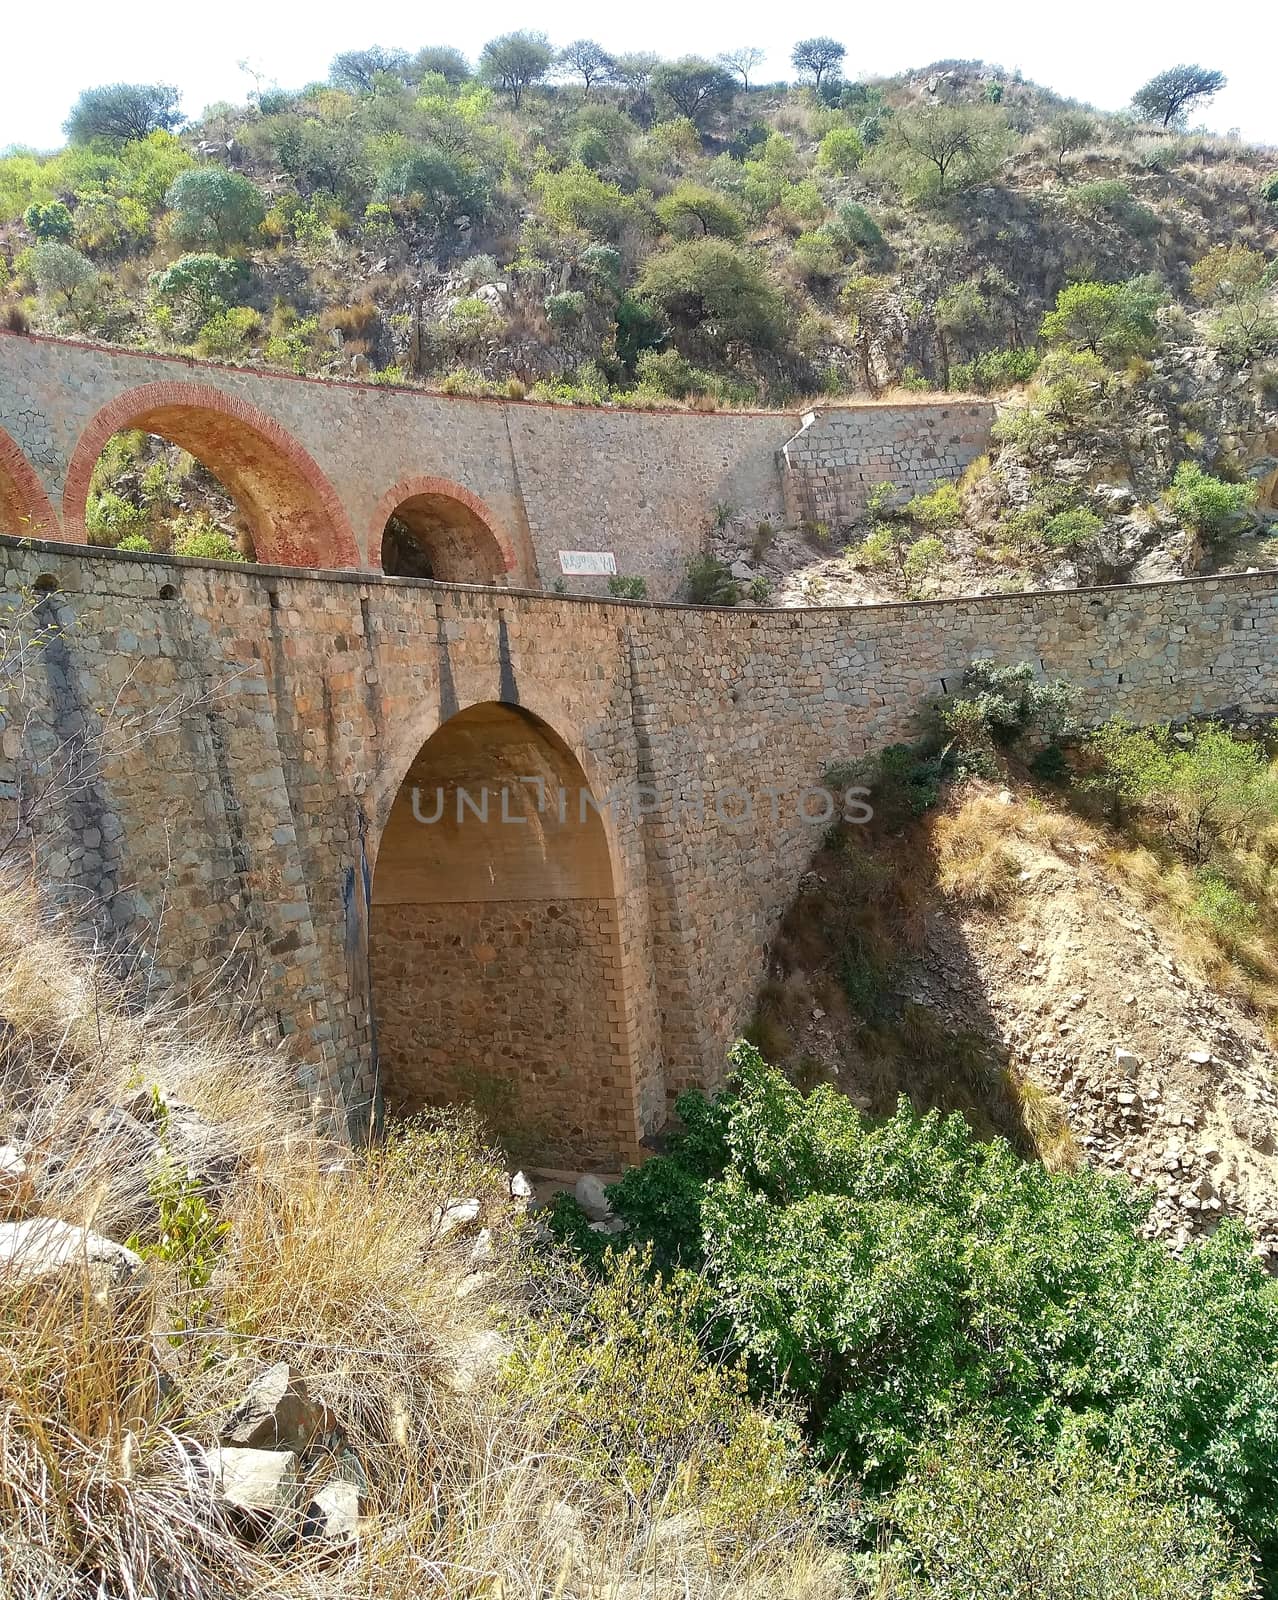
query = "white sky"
{"x": 1094, "y": 50}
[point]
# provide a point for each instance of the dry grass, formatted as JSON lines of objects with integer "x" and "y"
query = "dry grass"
{"x": 336, "y": 1261}
{"x": 974, "y": 867}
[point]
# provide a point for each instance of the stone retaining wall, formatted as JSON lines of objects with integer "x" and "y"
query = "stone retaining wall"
{"x": 257, "y": 726}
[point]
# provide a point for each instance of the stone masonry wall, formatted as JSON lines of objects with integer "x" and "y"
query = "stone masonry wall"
{"x": 513, "y": 1002}
{"x": 266, "y": 719}
{"x": 643, "y": 485}
{"x": 837, "y": 457}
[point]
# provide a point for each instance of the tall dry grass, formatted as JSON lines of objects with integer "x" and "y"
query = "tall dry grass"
{"x": 337, "y": 1261}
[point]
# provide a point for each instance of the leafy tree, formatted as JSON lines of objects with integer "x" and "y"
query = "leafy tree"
{"x": 587, "y": 60}
{"x": 1169, "y": 97}
{"x": 1111, "y": 320}
{"x": 709, "y": 582}
{"x": 197, "y": 287}
{"x": 1205, "y": 792}
{"x": 942, "y": 147}
{"x": 714, "y": 291}
{"x": 215, "y": 208}
{"x": 742, "y": 61}
{"x": 1230, "y": 272}
{"x": 635, "y": 70}
{"x": 1067, "y": 132}
{"x": 52, "y": 221}
{"x": 442, "y": 61}
{"x": 900, "y": 1279}
{"x": 692, "y": 209}
{"x": 446, "y": 186}
{"x": 119, "y": 112}
{"x": 358, "y": 70}
{"x": 1269, "y": 189}
{"x": 815, "y": 57}
{"x": 515, "y": 61}
{"x": 65, "y": 278}
{"x": 694, "y": 88}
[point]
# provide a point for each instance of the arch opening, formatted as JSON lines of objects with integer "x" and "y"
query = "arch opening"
{"x": 495, "y": 954}
{"x": 435, "y": 535}
{"x": 146, "y": 493}
{"x": 290, "y": 514}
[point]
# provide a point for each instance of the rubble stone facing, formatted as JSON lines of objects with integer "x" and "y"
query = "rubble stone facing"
{"x": 257, "y": 724}
{"x": 641, "y": 484}
{"x": 837, "y": 457}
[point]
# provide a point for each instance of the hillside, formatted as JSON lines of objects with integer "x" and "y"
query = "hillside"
{"x": 657, "y": 236}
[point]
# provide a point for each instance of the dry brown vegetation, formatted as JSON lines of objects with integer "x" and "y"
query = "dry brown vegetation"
{"x": 333, "y": 1260}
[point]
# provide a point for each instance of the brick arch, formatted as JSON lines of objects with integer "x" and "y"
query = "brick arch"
{"x": 24, "y": 506}
{"x": 458, "y": 532}
{"x": 293, "y": 511}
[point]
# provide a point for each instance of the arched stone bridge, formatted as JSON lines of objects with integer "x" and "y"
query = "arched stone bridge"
{"x": 482, "y": 491}
{"x": 294, "y": 768}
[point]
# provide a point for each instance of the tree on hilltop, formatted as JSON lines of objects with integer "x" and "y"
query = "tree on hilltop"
{"x": 742, "y": 61}
{"x": 441, "y": 59}
{"x": 693, "y": 87}
{"x": 514, "y": 62}
{"x": 122, "y": 112}
{"x": 818, "y": 56}
{"x": 358, "y": 70}
{"x": 1168, "y": 97}
{"x": 585, "y": 59}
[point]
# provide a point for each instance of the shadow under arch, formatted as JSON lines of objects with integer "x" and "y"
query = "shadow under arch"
{"x": 495, "y": 950}
{"x": 24, "y": 505}
{"x": 430, "y": 527}
{"x": 292, "y": 510}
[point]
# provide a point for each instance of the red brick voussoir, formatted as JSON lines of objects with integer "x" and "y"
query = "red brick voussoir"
{"x": 295, "y": 514}
{"x": 24, "y": 506}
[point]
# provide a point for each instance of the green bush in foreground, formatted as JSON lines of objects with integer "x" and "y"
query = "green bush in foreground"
{"x": 1206, "y": 504}
{"x": 900, "y": 1281}
{"x": 974, "y": 1520}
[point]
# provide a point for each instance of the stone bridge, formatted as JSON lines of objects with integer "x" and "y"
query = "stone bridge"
{"x": 448, "y": 840}
{"x": 483, "y": 491}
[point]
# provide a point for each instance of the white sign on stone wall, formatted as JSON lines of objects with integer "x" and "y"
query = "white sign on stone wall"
{"x": 587, "y": 563}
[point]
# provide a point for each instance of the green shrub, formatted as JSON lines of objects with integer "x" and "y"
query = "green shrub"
{"x": 52, "y": 221}
{"x": 1075, "y": 529}
{"x": 1224, "y": 907}
{"x": 712, "y": 289}
{"x": 135, "y": 541}
{"x": 1201, "y": 789}
{"x": 841, "y": 151}
{"x": 709, "y": 582}
{"x": 901, "y": 1280}
{"x": 197, "y": 537}
{"x": 228, "y": 333}
{"x": 760, "y": 590}
{"x": 922, "y": 558}
{"x": 110, "y": 518}
{"x": 639, "y": 1407}
{"x": 566, "y": 309}
{"x": 856, "y": 227}
{"x": 215, "y": 208}
{"x": 817, "y": 256}
{"x": 994, "y": 369}
{"x": 1205, "y": 504}
{"x": 577, "y": 199}
{"x": 197, "y": 287}
{"x": 628, "y": 588}
{"x": 1269, "y": 189}
{"x": 972, "y": 1519}
{"x": 692, "y": 211}
{"x": 943, "y": 508}
{"x": 1006, "y": 707}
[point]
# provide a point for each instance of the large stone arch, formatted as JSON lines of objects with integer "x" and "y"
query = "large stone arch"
{"x": 24, "y": 506}
{"x": 459, "y": 537}
{"x": 293, "y": 511}
{"x": 495, "y": 950}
